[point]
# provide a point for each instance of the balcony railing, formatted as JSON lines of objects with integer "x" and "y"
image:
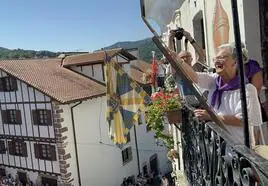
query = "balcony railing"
{"x": 212, "y": 158}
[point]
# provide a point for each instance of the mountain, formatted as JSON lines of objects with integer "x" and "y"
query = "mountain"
{"x": 25, "y": 54}
{"x": 145, "y": 47}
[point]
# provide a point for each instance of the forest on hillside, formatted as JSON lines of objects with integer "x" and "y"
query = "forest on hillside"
{"x": 145, "y": 47}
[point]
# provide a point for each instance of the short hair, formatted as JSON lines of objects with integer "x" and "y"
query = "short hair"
{"x": 232, "y": 47}
{"x": 184, "y": 51}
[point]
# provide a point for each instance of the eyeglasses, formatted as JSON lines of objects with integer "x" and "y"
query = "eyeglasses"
{"x": 221, "y": 58}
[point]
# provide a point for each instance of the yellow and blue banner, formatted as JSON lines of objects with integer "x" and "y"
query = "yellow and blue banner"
{"x": 125, "y": 101}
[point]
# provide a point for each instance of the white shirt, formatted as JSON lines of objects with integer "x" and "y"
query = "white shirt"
{"x": 231, "y": 105}
{"x": 161, "y": 70}
{"x": 168, "y": 69}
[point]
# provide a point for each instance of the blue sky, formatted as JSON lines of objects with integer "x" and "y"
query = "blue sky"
{"x": 69, "y": 25}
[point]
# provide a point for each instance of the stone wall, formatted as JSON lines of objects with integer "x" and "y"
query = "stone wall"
{"x": 61, "y": 137}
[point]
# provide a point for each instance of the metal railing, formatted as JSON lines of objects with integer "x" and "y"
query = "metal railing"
{"x": 212, "y": 158}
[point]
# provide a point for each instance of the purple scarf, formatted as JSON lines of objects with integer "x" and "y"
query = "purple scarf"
{"x": 221, "y": 87}
{"x": 252, "y": 68}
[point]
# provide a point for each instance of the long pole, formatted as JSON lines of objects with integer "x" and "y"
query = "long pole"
{"x": 241, "y": 70}
{"x": 137, "y": 149}
{"x": 75, "y": 143}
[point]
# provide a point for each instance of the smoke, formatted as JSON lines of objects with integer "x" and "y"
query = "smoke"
{"x": 161, "y": 11}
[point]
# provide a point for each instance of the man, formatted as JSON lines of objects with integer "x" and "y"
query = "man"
{"x": 186, "y": 91}
{"x": 186, "y": 56}
{"x": 161, "y": 73}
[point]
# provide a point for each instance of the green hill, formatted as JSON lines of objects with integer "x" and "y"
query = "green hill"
{"x": 145, "y": 47}
{"x": 25, "y": 54}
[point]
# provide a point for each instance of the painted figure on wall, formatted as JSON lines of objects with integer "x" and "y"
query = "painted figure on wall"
{"x": 220, "y": 25}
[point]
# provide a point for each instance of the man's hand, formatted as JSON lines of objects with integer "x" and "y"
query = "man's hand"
{"x": 202, "y": 114}
{"x": 187, "y": 35}
{"x": 172, "y": 34}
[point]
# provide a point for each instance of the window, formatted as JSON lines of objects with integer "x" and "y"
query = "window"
{"x": 2, "y": 147}
{"x": 45, "y": 151}
{"x": 2, "y": 172}
{"x": 126, "y": 155}
{"x": 145, "y": 170}
{"x": 49, "y": 181}
{"x": 17, "y": 148}
{"x": 42, "y": 117}
{"x": 11, "y": 116}
{"x": 8, "y": 83}
{"x": 22, "y": 177}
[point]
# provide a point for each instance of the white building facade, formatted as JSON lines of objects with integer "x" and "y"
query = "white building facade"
{"x": 27, "y": 132}
{"x": 211, "y": 24}
{"x": 53, "y": 129}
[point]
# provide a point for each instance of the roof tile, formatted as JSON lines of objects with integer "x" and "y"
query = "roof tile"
{"x": 139, "y": 69}
{"x": 49, "y": 77}
{"x": 96, "y": 57}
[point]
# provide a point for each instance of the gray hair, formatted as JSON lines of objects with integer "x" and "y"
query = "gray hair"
{"x": 232, "y": 47}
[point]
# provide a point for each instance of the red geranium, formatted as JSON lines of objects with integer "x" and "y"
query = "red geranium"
{"x": 168, "y": 100}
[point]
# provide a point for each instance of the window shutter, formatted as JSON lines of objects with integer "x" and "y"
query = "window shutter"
{"x": 18, "y": 116}
{"x": 2, "y": 147}
{"x": 24, "y": 149}
{"x": 2, "y": 89}
{"x": 35, "y": 117}
{"x": 53, "y": 153}
{"x": 123, "y": 156}
{"x": 11, "y": 147}
{"x": 49, "y": 119}
{"x": 14, "y": 84}
{"x": 4, "y": 116}
{"x": 36, "y": 151}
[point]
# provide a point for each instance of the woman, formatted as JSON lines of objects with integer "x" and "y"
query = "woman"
{"x": 253, "y": 73}
{"x": 224, "y": 94}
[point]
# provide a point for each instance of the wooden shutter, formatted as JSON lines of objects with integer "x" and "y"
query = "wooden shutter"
{"x": 4, "y": 116}
{"x": 53, "y": 153}
{"x": 49, "y": 119}
{"x": 24, "y": 149}
{"x": 18, "y": 116}
{"x": 123, "y": 156}
{"x": 2, "y": 147}
{"x": 36, "y": 151}
{"x": 13, "y": 82}
{"x": 35, "y": 117}
{"x": 2, "y": 87}
{"x": 11, "y": 147}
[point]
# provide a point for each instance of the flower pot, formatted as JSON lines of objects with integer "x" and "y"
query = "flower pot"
{"x": 174, "y": 116}
{"x": 262, "y": 150}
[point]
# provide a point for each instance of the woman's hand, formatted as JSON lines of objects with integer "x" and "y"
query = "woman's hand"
{"x": 202, "y": 114}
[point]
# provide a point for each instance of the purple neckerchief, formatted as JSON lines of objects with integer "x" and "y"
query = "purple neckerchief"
{"x": 221, "y": 87}
{"x": 252, "y": 68}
